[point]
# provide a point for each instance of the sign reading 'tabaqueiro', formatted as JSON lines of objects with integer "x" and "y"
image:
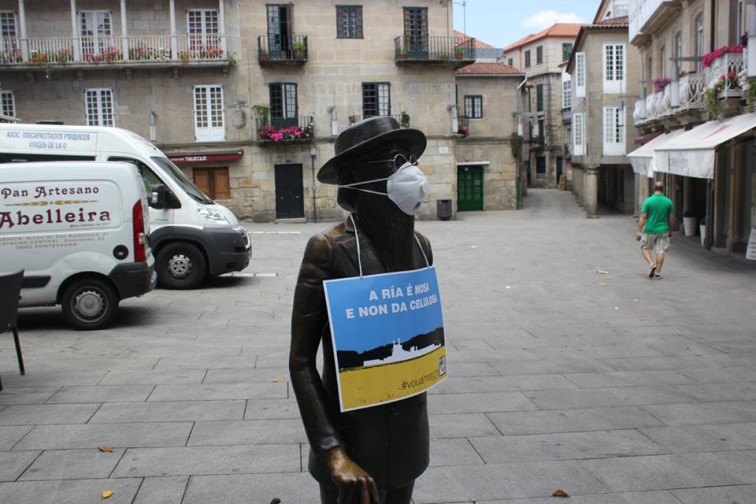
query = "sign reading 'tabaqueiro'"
{"x": 388, "y": 336}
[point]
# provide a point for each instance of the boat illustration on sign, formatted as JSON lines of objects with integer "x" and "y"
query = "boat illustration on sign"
{"x": 399, "y": 354}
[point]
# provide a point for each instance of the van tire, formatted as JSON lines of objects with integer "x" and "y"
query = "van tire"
{"x": 180, "y": 266}
{"x": 90, "y": 304}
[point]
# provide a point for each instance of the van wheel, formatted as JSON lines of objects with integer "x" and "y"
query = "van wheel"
{"x": 180, "y": 266}
{"x": 90, "y": 304}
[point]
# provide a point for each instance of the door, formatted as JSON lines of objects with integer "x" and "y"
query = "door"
{"x": 202, "y": 25}
{"x": 95, "y": 28}
{"x": 560, "y": 168}
{"x": 289, "y": 191}
{"x": 541, "y": 167}
{"x": 416, "y": 31}
{"x": 469, "y": 188}
{"x": 279, "y": 30}
{"x": 214, "y": 182}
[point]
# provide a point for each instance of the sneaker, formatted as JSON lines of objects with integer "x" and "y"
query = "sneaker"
{"x": 651, "y": 271}
{"x": 658, "y": 277}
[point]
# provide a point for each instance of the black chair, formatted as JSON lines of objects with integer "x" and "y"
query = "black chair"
{"x": 10, "y": 293}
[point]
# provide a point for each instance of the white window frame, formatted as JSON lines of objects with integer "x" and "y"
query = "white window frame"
{"x": 8, "y": 102}
{"x": 566, "y": 94}
{"x": 578, "y": 133}
{"x": 614, "y": 68}
{"x": 580, "y": 75}
{"x": 96, "y": 41}
{"x": 99, "y": 107}
{"x": 209, "y": 113}
{"x": 614, "y": 131}
{"x": 209, "y": 28}
{"x": 8, "y": 24}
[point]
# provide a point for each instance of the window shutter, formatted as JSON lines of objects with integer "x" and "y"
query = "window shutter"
{"x": 580, "y": 75}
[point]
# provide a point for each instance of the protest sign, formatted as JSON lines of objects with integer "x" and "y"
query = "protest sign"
{"x": 388, "y": 336}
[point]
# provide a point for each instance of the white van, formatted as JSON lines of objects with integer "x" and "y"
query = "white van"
{"x": 78, "y": 229}
{"x": 191, "y": 235}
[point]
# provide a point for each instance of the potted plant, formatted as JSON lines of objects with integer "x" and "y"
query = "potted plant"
{"x": 402, "y": 53}
{"x": 299, "y": 50}
{"x": 405, "y": 119}
{"x": 458, "y": 53}
{"x": 262, "y": 55}
{"x": 689, "y": 223}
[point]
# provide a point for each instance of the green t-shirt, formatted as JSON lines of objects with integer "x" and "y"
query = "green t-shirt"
{"x": 657, "y": 208}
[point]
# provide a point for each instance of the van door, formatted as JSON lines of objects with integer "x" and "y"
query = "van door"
{"x": 158, "y": 216}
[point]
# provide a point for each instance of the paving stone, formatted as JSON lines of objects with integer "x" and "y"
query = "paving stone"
{"x": 479, "y": 402}
{"x": 628, "y": 379}
{"x": 733, "y": 391}
{"x": 159, "y": 377}
{"x": 173, "y": 411}
{"x": 564, "y": 446}
{"x": 26, "y": 395}
{"x": 245, "y": 375}
{"x": 186, "y": 461}
{"x": 40, "y": 414}
{"x": 58, "y": 437}
{"x": 704, "y": 438}
{"x": 461, "y": 425}
{"x": 465, "y": 385}
{"x": 14, "y": 463}
{"x": 704, "y": 413}
{"x": 219, "y": 392}
{"x": 291, "y": 488}
{"x": 572, "y": 420}
{"x": 72, "y": 464}
{"x": 453, "y": 452}
{"x": 10, "y": 435}
{"x": 203, "y": 362}
{"x": 101, "y": 393}
{"x": 247, "y": 432}
{"x": 261, "y": 409}
{"x": 69, "y": 491}
{"x": 54, "y": 379}
{"x": 494, "y": 481}
{"x": 617, "y": 498}
{"x": 597, "y": 398}
{"x": 725, "y": 494}
{"x": 168, "y": 490}
{"x": 549, "y": 366}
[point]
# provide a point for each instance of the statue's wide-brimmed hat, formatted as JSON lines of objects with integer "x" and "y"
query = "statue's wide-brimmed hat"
{"x": 366, "y": 136}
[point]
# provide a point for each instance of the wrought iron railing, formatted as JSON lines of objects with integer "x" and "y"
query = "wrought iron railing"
{"x": 112, "y": 49}
{"x": 285, "y": 130}
{"x": 463, "y": 125}
{"x": 433, "y": 49}
{"x": 725, "y": 71}
{"x": 292, "y": 49}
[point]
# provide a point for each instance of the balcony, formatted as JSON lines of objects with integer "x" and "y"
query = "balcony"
{"x": 647, "y": 16}
{"x": 672, "y": 102}
{"x": 282, "y": 50}
{"x": 566, "y": 115}
{"x": 411, "y": 50}
{"x": 103, "y": 51}
{"x": 280, "y": 131}
{"x": 723, "y": 71}
{"x": 463, "y": 126}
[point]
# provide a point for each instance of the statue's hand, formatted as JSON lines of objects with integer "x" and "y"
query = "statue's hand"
{"x": 355, "y": 485}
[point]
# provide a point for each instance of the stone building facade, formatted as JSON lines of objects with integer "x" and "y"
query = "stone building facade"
{"x": 539, "y": 57}
{"x": 245, "y": 96}
{"x": 604, "y": 72}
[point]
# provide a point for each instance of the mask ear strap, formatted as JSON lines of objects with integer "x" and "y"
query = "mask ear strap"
{"x": 427, "y": 264}
{"x": 357, "y": 237}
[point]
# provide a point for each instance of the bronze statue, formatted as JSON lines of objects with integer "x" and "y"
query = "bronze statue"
{"x": 370, "y": 455}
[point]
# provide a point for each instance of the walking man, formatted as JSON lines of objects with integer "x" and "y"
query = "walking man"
{"x": 654, "y": 231}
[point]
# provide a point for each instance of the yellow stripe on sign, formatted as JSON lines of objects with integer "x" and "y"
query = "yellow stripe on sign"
{"x": 367, "y": 386}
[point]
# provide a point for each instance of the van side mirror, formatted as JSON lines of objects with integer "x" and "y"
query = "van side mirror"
{"x": 161, "y": 197}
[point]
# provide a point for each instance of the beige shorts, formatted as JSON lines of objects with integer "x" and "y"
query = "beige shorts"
{"x": 659, "y": 243}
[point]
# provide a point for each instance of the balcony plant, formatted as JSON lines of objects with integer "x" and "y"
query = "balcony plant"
{"x": 712, "y": 56}
{"x": 111, "y": 54}
{"x": 64, "y": 55}
{"x": 660, "y": 83}
{"x": 39, "y": 58}
{"x": 298, "y": 49}
{"x": 458, "y": 53}
{"x": 289, "y": 133}
{"x": 404, "y": 119}
{"x": 463, "y": 130}
{"x": 713, "y": 92}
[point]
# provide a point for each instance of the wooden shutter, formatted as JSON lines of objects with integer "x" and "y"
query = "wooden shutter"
{"x": 203, "y": 181}
{"x": 221, "y": 184}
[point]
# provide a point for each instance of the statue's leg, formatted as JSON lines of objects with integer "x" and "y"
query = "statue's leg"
{"x": 329, "y": 494}
{"x": 401, "y": 495}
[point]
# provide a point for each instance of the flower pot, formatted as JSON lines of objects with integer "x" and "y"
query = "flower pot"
{"x": 689, "y": 226}
{"x": 702, "y": 230}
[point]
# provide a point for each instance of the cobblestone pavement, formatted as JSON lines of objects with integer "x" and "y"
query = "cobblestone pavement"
{"x": 569, "y": 369}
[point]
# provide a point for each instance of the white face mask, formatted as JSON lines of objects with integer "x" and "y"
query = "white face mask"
{"x": 407, "y": 187}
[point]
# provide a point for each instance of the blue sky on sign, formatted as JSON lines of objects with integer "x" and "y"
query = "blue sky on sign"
{"x": 502, "y": 22}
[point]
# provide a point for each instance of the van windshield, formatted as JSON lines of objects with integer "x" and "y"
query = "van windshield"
{"x": 182, "y": 180}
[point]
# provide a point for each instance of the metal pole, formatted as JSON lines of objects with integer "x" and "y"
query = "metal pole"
{"x": 312, "y": 169}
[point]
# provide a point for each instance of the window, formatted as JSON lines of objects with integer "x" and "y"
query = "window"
{"x": 283, "y": 105}
{"x": 349, "y": 21}
{"x": 214, "y": 182}
{"x": 678, "y": 52}
{"x": 566, "y": 94}
{"x": 474, "y": 106}
{"x": 208, "y": 114}
{"x": 662, "y": 61}
{"x": 527, "y": 59}
{"x": 376, "y": 99}
{"x": 279, "y": 28}
{"x": 510, "y": 62}
{"x": 8, "y": 100}
{"x": 614, "y": 131}
{"x": 95, "y": 28}
{"x": 539, "y": 55}
{"x": 578, "y": 129}
{"x": 539, "y": 97}
{"x": 99, "y": 107}
{"x": 416, "y": 28}
{"x": 566, "y": 50}
{"x": 580, "y": 75}
{"x": 614, "y": 67}
{"x": 699, "y": 41}
{"x": 202, "y": 27}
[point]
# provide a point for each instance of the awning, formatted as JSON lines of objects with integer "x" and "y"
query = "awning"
{"x": 205, "y": 157}
{"x": 642, "y": 158}
{"x": 644, "y": 139}
{"x": 692, "y": 153}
